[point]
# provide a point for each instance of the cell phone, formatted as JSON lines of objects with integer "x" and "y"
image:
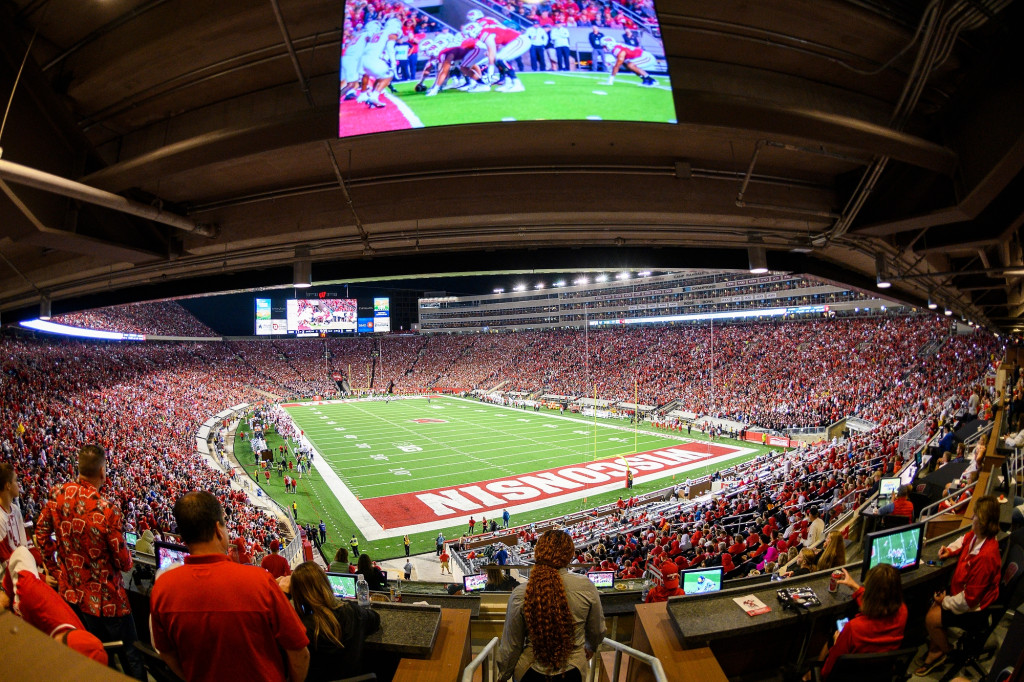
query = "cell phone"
{"x": 841, "y": 623}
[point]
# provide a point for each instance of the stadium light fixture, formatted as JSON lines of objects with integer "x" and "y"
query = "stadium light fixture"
{"x": 499, "y": 291}
{"x": 932, "y": 305}
{"x": 757, "y": 259}
{"x": 302, "y": 268}
{"x": 644, "y": 273}
{"x": 622, "y": 275}
{"x": 560, "y": 283}
{"x": 949, "y": 312}
{"x": 45, "y": 308}
{"x": 519, "y": 287}
{"x": 601, "y": 278}
{"x": 540, "y": 285}
{"x": 581, "y": 280}
{"x": 882, "y": 278}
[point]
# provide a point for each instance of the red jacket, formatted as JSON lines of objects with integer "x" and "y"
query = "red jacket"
{"x": 977, "y": 576}
{"x": 863, "y": 635}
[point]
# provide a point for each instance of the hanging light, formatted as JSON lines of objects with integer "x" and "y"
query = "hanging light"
{"x": 302, "y": 268}
{"x": 45, "y": 307}
{"x": 882, "y": 277}
{"x": 757, "y": 259}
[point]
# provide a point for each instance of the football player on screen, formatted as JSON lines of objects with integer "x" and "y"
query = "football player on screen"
{"x": 458, "y": 53}
{"x": 352, "y": 58}
{"x": 504, "y": 45}
{"x": 379, "y": 61}
{"x": 635, "y": 59}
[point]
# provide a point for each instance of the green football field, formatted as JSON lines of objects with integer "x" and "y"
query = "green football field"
{"x": 548, "y": 95}
{"x": 381, "y": 451}
{"x": 577, "y": 95}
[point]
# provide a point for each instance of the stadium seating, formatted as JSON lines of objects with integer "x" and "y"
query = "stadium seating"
{"x": 144, "y": 401}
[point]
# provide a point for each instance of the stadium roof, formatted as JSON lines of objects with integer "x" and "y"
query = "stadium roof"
{"x": 866, "y": 129}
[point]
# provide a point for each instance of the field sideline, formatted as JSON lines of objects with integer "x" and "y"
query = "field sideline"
{"x": 417, "y": 466}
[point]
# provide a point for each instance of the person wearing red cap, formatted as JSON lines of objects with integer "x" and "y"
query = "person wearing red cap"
{"x": 274, "y": 563}
{"x": 669, "y": 584}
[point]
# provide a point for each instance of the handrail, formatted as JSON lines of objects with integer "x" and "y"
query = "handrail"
{"x": 490, "y": 672}
{"x": 656, "y": 667}
{"x": 927, "y": 519}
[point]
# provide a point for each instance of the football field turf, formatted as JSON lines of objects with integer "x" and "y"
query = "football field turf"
{"x": 547, "y": 96}
{"x": 384, "y": 469}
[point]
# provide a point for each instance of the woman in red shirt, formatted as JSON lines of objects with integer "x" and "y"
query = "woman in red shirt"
{"x": 879, "y": 625}
{"x": 975, "y": 582}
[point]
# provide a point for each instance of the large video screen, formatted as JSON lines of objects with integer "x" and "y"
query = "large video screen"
{"x": 404, "y": 67}
{"x": 312, "y": 316}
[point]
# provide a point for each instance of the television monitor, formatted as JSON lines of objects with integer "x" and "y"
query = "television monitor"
{"x": 602, "y": 578}
{"x": 476, "y": 66}
{"x": 899, "y": 547}
{"x": 701, "y": 580}
{"x": 310, "y": 317}
{"x": 131, "y": 539}
{"x": 343, "y": 585}
{"x": 908, "y": 474}
{"x": 474, "y": 582}
{"x": 887, "y": 487}
{"x": 168, "y": 554}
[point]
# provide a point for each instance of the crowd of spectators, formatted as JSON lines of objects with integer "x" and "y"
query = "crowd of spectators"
{"x": 142, "y": 403}
{"x": 767, "y": 512}
{"x": 160, "y": 318}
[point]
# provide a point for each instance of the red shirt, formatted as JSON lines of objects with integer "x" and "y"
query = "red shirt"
{"x": 864, "y": 635}
{"x": 90, "y": 549}
{"x": 224, "y": 621}
{"x": 277, "y": 565}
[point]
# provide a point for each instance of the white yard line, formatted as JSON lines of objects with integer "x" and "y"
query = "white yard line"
{"x": 372, "y": 530}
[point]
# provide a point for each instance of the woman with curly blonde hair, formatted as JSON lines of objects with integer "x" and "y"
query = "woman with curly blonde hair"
{"x": 554, "y": 623}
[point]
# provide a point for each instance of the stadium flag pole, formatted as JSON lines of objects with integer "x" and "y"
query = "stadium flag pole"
{"x": 595, "y": 421}
{"x": 636, "y": 414}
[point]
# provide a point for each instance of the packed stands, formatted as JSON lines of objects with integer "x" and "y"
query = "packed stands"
{"x": 143, "y": 401}
{"x": 755, "y": 525}
{"x": 159, "y": 318}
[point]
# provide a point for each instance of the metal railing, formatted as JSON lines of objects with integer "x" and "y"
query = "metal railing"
{"x": 656, "y": 667}
{"x": 927, "y": 518}
{"x": 490, "y": 672}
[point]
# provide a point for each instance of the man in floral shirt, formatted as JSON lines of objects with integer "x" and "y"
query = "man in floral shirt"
{"x": 89, "y": 554}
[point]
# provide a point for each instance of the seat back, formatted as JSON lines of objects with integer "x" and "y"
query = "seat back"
{"x": 1011, "y": 593}
{"x": 887, "y": 665}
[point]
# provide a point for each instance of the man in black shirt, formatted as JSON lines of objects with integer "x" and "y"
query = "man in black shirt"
{"x": 596, "y": 49}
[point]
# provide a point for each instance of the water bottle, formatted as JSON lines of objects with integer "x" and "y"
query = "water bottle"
{"x": 363, "y": 591}
{"x": 398, "y": 591}
{"x": 647, "y": 588}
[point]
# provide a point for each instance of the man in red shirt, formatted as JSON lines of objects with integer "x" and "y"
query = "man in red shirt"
{"x": 213, "y": 619}
{"x": 276, "y": 564}
{"x": 89, "y": 555}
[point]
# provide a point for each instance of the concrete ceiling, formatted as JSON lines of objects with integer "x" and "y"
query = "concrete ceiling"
{"x": 866, "y": 128}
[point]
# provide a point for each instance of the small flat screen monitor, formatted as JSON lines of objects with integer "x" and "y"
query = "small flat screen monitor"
{"x": 168, "y": 554}
{"x": 908, "y": 474}
{"x": 888, "y": 486}
{"x": 130, "y": 539}
{"x": 602, "y": 578}
{"x": 343, "y": 585}
{"x": 474, "y": 582}
{"x": 701, "y": 580}
{"x": 899, "y": 547}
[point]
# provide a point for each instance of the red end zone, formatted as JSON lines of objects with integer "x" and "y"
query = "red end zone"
{"x": 568, "y": 482}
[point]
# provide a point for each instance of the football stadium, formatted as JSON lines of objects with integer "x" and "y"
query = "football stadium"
{"x": 494, "y": 340}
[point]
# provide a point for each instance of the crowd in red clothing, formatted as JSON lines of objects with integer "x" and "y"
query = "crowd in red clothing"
{"x": 161, "y": 318}
{"x": 762, "y": 518}
{"x": 142, "y": 403}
